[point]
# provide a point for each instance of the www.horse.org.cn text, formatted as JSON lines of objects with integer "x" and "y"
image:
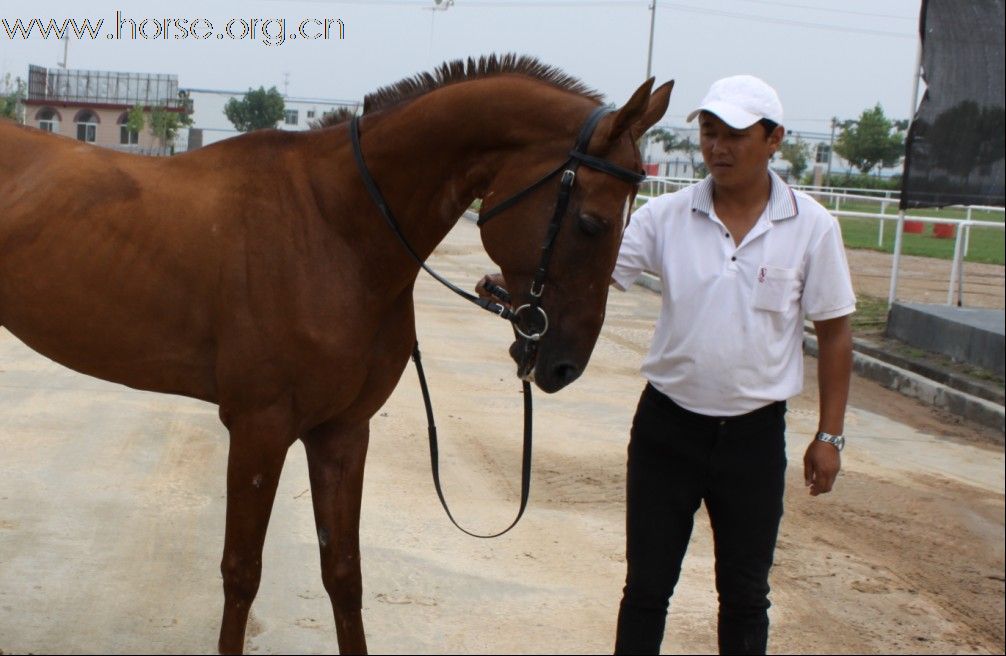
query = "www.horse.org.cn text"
{"x": 268, "y": 31}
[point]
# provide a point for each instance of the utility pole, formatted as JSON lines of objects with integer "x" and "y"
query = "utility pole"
{"x": 66, "y": 48}
{"x": 831, "y": 147}
{"x": 438, "y": 5}
{"x": 649, "y": 55}
{"x": 645, "y": 142}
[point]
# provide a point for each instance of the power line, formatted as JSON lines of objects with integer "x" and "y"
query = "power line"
{"x": 828, "y": 9}
{"x": 786, "y": 21}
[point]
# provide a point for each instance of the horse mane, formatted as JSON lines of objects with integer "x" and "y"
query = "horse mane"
{"x": 462, "y": 70}
{"x": 334, "y": 117}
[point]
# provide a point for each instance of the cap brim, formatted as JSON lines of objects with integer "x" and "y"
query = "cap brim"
{"x": 730, "y": 114}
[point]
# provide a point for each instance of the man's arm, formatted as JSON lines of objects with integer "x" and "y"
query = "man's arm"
{"x": 834, "y": 369}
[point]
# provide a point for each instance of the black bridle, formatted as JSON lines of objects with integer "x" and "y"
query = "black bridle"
{"x": 534, "y": 329}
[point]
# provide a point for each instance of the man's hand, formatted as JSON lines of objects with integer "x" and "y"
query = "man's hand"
{"x": 821, "y": 463}
{"x": 494, "y": 280}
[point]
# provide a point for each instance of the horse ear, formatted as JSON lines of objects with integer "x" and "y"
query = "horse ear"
{"x": 631, "y": 112}
{"x": 655, "y": 109}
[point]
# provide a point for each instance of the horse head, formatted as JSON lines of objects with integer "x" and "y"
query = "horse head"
{"x": 559, "y": 232}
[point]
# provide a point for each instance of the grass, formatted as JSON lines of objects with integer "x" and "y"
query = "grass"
{"x": 870, "y": 317}
{"x": 985, "y": 245}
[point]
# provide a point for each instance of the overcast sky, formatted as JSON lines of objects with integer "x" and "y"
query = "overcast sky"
{"x": 826, "y": 57}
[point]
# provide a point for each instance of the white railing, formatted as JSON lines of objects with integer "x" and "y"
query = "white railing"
{"x": 962, "y": 227}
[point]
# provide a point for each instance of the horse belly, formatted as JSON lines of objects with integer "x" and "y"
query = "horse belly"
{"x": 97, "y": 297}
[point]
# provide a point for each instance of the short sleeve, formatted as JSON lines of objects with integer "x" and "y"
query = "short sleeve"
{"x": 827, "y": 290}
{"x": 639, "y": 249}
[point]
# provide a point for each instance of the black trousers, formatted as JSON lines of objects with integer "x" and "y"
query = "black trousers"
{"x": 677, "y": 460}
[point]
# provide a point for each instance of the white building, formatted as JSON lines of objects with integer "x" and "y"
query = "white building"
{"x": 210, "y": 124}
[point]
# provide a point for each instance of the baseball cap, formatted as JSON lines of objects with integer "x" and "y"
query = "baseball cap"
{"x": 740, "y": 101}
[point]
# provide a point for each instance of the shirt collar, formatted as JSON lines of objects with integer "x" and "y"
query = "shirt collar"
{"x": 781, "y": 200}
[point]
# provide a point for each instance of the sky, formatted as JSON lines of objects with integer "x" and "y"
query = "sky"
{"x": 826, "y": 58}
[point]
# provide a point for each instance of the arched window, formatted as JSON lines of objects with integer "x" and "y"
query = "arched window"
{"x": 48, "y": 119}
{"x": 127, "y": 137}
{"x": 87, "y": 125}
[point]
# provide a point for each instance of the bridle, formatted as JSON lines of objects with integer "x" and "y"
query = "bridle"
{"x": 536, "y": 319}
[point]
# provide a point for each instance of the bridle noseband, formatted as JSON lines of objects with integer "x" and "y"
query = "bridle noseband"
{"x": 532, "y": 336}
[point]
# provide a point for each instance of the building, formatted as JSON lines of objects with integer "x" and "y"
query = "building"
{"x": 93, "y": 106}
{"x": 210, "y": 124}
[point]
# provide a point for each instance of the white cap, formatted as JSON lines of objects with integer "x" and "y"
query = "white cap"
{"x": 740, "y": 101}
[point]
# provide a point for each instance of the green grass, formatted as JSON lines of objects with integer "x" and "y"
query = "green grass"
{"x": 870, "y": 317}
{"x": 986, "y": 244}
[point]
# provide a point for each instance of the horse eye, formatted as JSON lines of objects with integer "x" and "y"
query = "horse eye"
{"x": 591, "y": 225}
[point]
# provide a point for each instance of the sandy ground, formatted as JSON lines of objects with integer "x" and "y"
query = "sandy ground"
{"x": 112, "y": 506}
{"x": 926, "y": 280}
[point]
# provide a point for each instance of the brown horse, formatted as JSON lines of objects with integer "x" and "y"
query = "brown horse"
{"x": 258, "y": 275}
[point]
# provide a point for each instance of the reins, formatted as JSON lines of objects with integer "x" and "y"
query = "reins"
{"x": 577, "y": 156}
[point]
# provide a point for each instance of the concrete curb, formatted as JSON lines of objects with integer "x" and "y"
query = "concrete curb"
{"x": 919, "y": 387}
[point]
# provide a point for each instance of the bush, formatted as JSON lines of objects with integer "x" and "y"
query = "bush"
{"x": 860, "y": 181}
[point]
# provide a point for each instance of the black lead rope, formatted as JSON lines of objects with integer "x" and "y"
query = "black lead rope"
{"x": 525, "y": 470}
{"x": 484, "y": 303}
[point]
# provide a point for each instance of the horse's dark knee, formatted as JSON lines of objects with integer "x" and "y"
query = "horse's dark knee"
{"x": 241, "y": 578}
{"x": 343, "y": 582}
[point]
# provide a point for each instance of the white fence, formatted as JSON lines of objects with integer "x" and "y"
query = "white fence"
{"x": 656, "y": 186}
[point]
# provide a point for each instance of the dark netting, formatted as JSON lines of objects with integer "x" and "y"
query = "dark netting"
{"x": 957, "y": 140}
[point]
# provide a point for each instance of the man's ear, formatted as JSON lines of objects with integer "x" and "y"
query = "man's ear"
{"x": 776, "y": 137}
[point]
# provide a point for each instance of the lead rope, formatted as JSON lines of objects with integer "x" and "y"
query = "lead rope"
{"x": 525, "y": 472}
{"x": 484, "y": 303}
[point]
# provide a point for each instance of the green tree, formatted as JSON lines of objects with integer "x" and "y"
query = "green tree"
{"x": 257, "y": 110}
{"x": 873, "y": 139}
{"x": 796, "y": 151}
{"x": 11, "y": 95}
{"x": 671, "y": 142}
{"x": 165, "y": 125}
{"x": 667, "y": 139}
{"x": 136, "y": 120}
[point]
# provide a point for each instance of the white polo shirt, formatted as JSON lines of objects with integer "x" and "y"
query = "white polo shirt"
{"x": 730, "y": 334}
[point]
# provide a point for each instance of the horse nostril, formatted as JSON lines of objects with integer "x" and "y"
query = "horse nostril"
{"x": 566, "y": 372}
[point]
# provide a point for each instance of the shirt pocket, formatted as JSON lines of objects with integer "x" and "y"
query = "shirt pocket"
{"x": 776, "y": 288}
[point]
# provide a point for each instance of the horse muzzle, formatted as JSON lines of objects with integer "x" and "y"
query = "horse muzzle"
{"x": 538, "y": 369}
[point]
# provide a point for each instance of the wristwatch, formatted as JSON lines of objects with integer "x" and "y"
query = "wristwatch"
{"x": 837, "y": 441}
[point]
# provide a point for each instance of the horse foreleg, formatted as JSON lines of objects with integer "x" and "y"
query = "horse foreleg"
{"x": 258, "y": 447}
{"x": 335, "y": 457}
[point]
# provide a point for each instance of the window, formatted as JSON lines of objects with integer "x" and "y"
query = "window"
{"x": 87, "y": 126}
{"x": 48, "y": 120}
{"x": 823, "y": 153}
{"x": 310, "y": 113}
{"x": 127, "y": 137}
{"x": 290, "y": 117}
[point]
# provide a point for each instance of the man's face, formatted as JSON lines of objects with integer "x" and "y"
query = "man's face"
{"x": 736, "y": 157}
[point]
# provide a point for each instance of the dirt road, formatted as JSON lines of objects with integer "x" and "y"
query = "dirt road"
{"x": 112, "y": 505}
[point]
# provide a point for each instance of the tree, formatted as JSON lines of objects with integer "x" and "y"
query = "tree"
{"x": 165, "y": 125}
{"x": 873, "y": 139}
{"x": 665, "y": 138}
{"x": 797, "y": 153}
{"x": 671, "y": 142}
{"x": 11, "y": 95}
{"x": 257, "y": 110}
{"x": 136, "y": 120}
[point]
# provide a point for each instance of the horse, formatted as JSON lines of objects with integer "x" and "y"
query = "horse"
{"x": 258, "y": 275}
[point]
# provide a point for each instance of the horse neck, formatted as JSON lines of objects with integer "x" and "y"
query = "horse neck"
{"x": 433, "y": 156}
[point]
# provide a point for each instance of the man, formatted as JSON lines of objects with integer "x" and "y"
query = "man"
{"x": 743, "y": 259}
